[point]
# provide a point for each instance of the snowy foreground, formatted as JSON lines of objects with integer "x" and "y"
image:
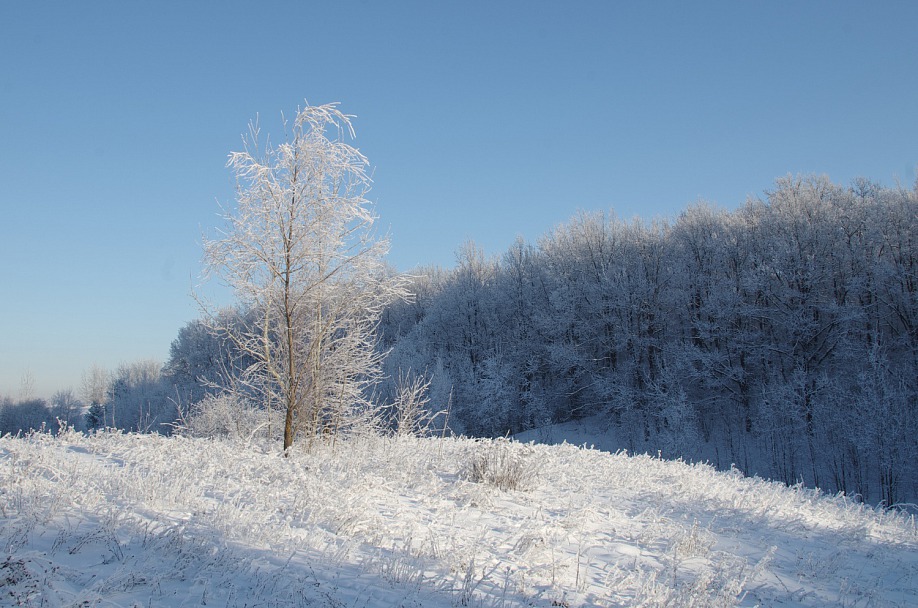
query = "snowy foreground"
{"x": 143, "y": 520}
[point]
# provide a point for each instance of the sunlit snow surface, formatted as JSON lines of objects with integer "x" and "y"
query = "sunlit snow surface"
{"x": 144, "y": 520}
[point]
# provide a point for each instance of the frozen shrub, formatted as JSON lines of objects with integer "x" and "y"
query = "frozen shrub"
{"x": 410, "y": 413}
{"x": 229, "y": 416}
{"x": 501, "y": 463}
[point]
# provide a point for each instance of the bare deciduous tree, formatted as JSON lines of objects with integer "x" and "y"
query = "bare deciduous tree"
{"x": 301, "y": 256}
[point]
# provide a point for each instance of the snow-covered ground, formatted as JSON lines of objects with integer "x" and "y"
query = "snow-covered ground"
{"x": 144, "y": 520}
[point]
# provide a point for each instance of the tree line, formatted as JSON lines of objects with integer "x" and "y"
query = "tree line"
{"x": 781, "y": 337}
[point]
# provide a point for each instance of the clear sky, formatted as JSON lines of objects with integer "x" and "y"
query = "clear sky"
{"x": 483, "y": 120}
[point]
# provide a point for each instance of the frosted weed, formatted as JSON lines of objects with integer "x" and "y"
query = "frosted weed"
{"x": 501, "y": 463}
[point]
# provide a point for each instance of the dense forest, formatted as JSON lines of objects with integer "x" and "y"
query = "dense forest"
{"x": 780, "y": 338}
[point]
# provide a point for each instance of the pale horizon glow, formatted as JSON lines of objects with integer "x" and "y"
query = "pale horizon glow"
{"x": 483, "y": 122}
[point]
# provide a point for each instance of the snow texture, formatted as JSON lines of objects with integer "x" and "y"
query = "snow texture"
{"x": 130, "y": 520}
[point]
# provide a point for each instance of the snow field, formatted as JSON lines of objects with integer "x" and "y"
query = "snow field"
{"x": 143, "y": 520}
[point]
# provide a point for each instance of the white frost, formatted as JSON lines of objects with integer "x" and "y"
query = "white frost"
{"x": 125, "y": 520}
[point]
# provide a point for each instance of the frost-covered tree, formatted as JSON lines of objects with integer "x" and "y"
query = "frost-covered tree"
{"x": 302, "y": 258}
{"x": 95, "y": 389}
{"x": 95, "y": 417}
{"x": 66, "y": 408}
{"x": 140, "y": 400}
{"x": 203, "y": 361}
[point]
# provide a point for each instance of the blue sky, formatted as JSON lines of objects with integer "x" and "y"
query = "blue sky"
{"x": 483, "y": 120}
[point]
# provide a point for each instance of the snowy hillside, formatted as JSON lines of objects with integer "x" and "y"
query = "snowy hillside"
{"x": 144, "y": 520}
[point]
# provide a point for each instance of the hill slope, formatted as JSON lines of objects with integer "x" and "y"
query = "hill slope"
{"x": 125, "y": 520}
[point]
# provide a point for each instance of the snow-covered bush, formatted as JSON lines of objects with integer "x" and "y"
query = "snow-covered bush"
{"x": 410, "y": 407}
{"x": 501, "y": 463}
{"x": 410, "y": 412}
{"x": 229, "y": 416}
